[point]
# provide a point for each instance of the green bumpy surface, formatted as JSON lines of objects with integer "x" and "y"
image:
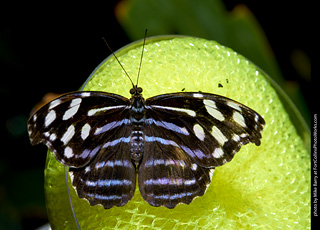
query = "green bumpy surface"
{"x": 263, "y": 187}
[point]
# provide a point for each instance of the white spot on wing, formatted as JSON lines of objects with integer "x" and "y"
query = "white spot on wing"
{"x": 29, "y": 130}
{"x": 215, "y": 113}
{"x": 100, "y": 164}
{"x": 94, "y": 111}
{"x": 189, "y": 182}
{"x": 74, "y": 106}
{"x": 164, "y": 181}
{"x": 85, "y": 131}
{"x": 161, "y": 140}
{"x": 168, "y": 125}
{"x": 236, "y": 138}
{"x": 256, "y": 118}
{"x": 210, "y": 103}
{"x": 199, "y": 132}
{"x": 187, "y": 111}
{"x": 234, "y": 105}
{"x": 237, "y": 117}
{"x": 86, "y": 94}
{"x": 113, "y": 163}
{"x": 51, "y": 116}
{"x": 71, "y": 176}
{"x": 155, "y": 162}
{"x": 75, "y": 102}
{"x": 53, "y": 137}
{"x": 84, "y": 154}
{"x": 218, "y": 152}
{"x": 117, "y": 141}
{"x": 68, "y": 153}
{"x": 102, "y": 197}
{"x": 211, "y": 174}
{"x": 35, "y": 117}
{"x": 218, "y": 135}
{"x": 54, "y": 103}
{"x": 197, "y": 95}
{"x": 106, "y": 127}
{"x": 87, "y": 169}
{"x": 68, "y": 135}
{"x": 108, "y": 183}
{"x": 243, "y": 135}
{"x": 70, "y": 112}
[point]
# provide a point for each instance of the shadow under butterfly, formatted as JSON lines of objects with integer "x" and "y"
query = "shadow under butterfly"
{"x": 173, "y": 141}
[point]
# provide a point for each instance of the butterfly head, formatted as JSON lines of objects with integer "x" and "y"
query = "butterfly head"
{"x": 136, "y": 91}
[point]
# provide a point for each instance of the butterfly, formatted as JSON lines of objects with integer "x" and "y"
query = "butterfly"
{"x": 169, "y": 144}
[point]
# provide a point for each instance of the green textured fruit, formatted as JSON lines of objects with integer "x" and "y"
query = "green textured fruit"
{"x": 263, "y": 187}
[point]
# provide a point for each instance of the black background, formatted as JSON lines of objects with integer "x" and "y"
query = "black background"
{"x": 55, "y": 46}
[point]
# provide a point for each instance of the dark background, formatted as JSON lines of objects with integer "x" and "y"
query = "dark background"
{"x": 55, "y": 46}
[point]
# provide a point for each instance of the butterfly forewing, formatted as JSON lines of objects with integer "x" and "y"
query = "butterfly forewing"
{"x": 209, "y": 128}
{"x": 76, "y": 125}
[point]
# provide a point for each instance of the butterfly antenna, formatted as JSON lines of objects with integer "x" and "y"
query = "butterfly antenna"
{"x": 144, "y": 42}
{"x": 69, "y": 195}
{"x": 118, "y": 61}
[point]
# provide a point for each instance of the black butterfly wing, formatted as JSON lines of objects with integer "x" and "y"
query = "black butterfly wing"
{"x": 89, "y": 132}
{"x": 187, "y": 135}
{"x": 208, "y": 127}
{"x": 167, "y": 175}
{"x": 74, "y": 125}
{"x": 110, "y": 179}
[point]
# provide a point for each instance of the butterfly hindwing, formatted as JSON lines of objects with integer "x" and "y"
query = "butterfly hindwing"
{"x": 167, "y": 175}
{"x": 110, "y": 179}
{"x": 75, "y": 125}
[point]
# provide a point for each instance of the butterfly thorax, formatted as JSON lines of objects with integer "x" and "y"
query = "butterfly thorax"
{"x": 137, "y": 119}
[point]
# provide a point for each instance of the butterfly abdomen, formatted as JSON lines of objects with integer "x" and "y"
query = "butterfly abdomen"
{"x": 137, "y": 118}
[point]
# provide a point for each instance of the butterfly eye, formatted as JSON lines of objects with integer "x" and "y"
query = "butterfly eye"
{"x": 132, "y": 91}
{"x": 139, "y": 90}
